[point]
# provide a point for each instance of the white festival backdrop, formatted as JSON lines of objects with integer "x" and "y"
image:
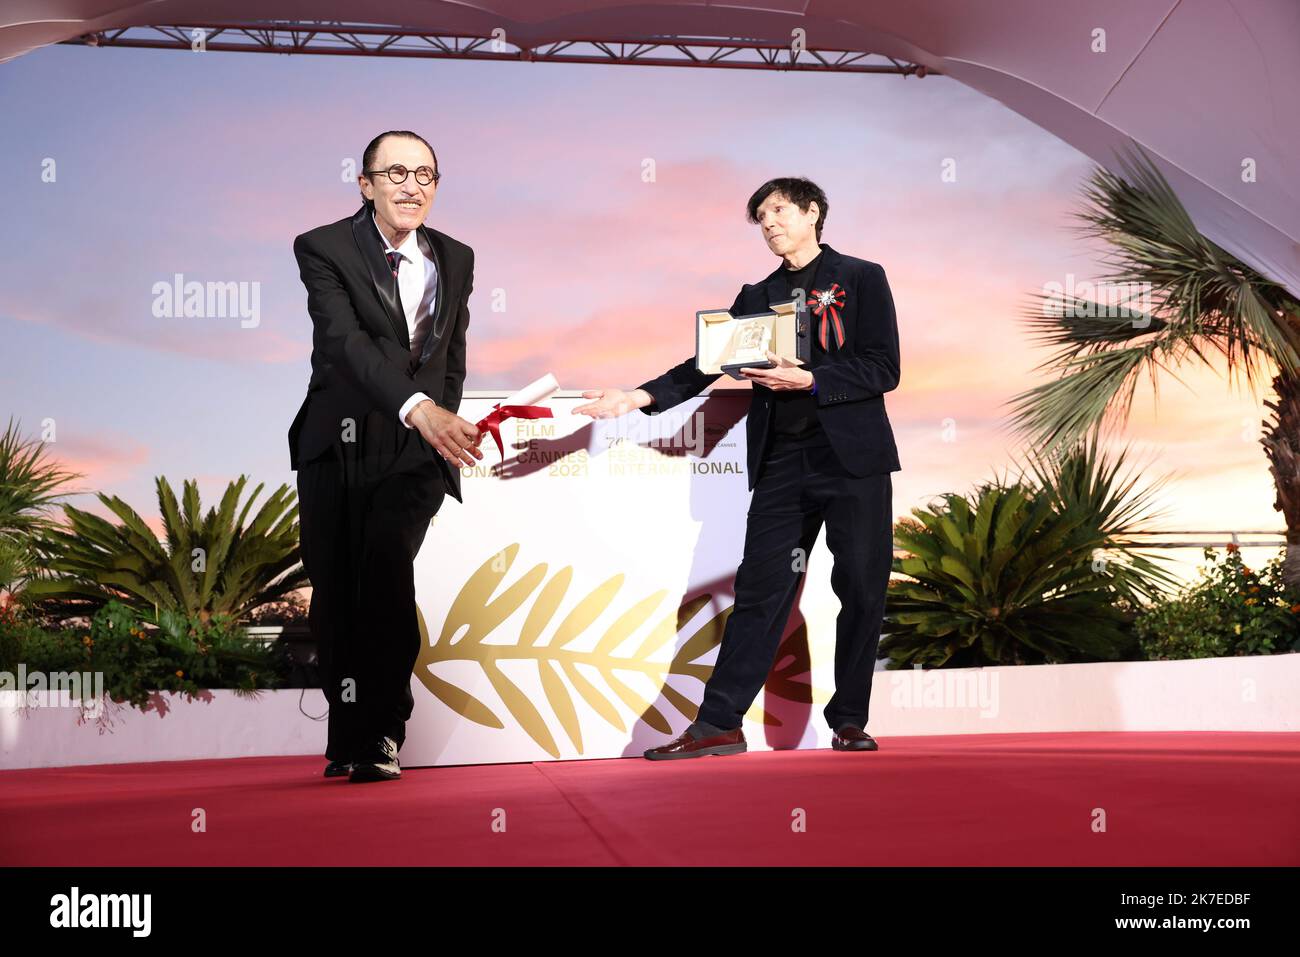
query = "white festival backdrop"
{"x": 572, "y": 605}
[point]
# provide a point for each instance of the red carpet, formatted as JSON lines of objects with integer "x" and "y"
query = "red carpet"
{"x": 1172, "y": 799}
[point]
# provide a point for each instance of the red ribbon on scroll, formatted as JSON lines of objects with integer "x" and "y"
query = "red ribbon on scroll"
{"x": 492, "y": 422}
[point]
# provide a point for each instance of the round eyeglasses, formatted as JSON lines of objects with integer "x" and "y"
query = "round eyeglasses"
{"x": 397, "y": 174}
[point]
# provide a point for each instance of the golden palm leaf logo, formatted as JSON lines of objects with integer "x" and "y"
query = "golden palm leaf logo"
{"x": 475, "y": 614}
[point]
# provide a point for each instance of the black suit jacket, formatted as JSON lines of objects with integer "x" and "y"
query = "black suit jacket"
{"x": 851, "y": 382}
{"x": 361, "y": 359}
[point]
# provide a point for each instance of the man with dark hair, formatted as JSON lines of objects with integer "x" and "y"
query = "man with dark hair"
{"x": 377, "y": 443}
{"x": 820, "y": 449}
{"x": 794, "y": 189}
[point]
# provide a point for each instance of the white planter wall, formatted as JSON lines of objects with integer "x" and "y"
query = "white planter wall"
{"x": 219, "y": 725}
{"x": 1211, "y": 694}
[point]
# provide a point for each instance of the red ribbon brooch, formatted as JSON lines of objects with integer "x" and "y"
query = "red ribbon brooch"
{"x": 826, "y": 305}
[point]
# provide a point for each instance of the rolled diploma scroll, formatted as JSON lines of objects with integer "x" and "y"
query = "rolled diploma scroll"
{"x": 520, "y": 405}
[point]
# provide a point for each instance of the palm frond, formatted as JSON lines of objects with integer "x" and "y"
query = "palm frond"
{"x": 31, "y": 487}
{"x": 1196, "y": 282}
{"x": 1202, "y": 303}
{"x": 1094, "y": 391}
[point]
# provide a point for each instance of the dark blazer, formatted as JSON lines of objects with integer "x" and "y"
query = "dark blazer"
{"x": 851, "y": 382}
{"x": 361, "y": 359}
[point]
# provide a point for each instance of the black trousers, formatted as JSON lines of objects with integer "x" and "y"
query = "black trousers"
{"x": 360, "y": 529}
{"x": 796, "y": 490}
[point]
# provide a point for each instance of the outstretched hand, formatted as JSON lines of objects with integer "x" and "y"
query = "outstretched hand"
{"x": 611, "y": 403}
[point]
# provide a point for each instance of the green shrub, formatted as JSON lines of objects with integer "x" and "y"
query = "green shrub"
{"x": 18, "y": 631}
{"x": 139, "y": 656}
{"x": 1231, "y": 610}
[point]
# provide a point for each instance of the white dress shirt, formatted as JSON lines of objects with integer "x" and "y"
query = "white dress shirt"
{"x": 417, "y": 284}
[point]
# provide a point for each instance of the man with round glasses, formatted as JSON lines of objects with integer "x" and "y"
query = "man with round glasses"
{"x": 377, "y": 442}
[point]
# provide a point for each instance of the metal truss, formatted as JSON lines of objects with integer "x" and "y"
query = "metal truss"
{"x": 338, "y": 39}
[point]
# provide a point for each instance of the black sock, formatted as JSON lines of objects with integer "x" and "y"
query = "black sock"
{"x": 702, "y": 729}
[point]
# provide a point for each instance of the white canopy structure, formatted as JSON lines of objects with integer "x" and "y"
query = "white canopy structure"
{"x": 1209, "y": 88}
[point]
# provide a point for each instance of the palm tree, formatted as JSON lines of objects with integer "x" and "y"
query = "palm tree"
{"x": 30, "y": 488}
{"x": 1204, "y": 303}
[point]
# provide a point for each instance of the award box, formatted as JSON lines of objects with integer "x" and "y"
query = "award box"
{"x": 726, "y": 344}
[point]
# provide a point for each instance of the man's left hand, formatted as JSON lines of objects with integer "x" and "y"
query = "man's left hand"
{"x": 787, "y": 376}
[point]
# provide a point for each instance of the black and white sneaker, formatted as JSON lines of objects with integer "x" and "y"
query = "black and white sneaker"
{"x": 379, "y": 763}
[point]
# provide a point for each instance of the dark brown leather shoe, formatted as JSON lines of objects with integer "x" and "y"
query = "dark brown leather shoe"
{"x": 684, "y": 746}
{"x": 849, "y": 738}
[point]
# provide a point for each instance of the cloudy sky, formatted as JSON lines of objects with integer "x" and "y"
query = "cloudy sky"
{"x": 127, "y": 167}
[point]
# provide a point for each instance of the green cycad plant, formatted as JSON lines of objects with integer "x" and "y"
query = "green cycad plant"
{"x": 1040, "y": 569}
{"x": 1203, "y": 306}
{"x": 208, "y": 564}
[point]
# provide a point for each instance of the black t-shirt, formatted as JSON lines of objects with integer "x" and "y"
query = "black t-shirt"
{"x": 794, "y": 413}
